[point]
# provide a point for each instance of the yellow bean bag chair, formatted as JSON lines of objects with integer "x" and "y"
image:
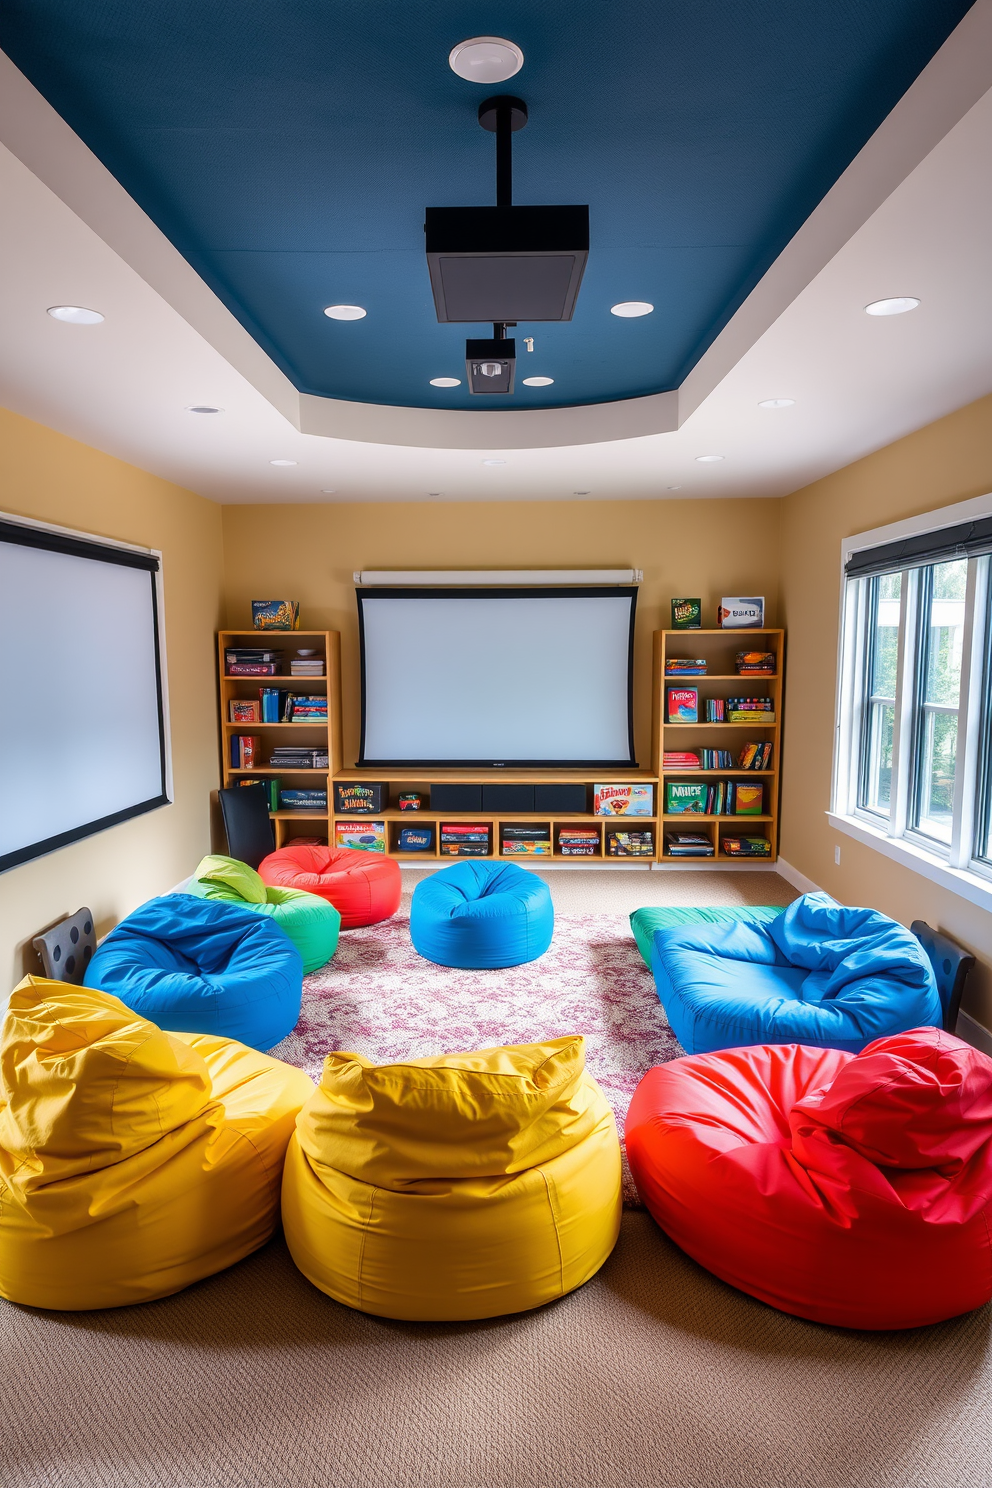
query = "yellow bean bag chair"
{"x": 132, "y": 1161}
{"x": 462, "y": 1186}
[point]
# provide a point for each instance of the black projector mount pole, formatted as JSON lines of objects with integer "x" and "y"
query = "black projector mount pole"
{"x": 503, "y": 116}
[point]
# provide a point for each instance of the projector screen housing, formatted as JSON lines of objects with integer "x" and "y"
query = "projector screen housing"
{"x": 83, "y": 742}
{"x": 497, "y": 678}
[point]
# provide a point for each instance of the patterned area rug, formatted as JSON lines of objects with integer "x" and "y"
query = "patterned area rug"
{"x": 377, "y": 997}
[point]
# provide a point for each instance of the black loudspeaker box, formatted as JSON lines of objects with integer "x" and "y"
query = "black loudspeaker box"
{"x": 450, "y": 797}
{"x": 508, "y": 798}
{"x": 560, "y": 799}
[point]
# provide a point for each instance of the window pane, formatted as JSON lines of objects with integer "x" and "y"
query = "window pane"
{"x": 884, "y": 606}
{"x": 942, "y": 638}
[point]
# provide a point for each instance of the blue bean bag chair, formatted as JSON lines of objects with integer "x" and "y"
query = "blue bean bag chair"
{"x": 203, "y": 966}
{"x": 482, "y": 915}
{"x": 820, "y": 973}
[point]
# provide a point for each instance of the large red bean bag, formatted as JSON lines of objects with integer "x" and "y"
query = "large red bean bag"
{"x": 364, "y": 887}
{"x": 849, "y": 1189}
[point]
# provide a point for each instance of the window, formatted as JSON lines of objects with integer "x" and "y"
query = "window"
{"x": 914, "y": 758}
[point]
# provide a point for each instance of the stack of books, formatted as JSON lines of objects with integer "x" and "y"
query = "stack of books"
{"x": 526, "y": 840}
{"x": 756, "y": 663}
{"x": 303, "y": 800}
{"x": 306, "y": 666}
{"x": 578, "y": 842}
{"x": 244, "y": 752}
{"x": 683, "y": 666}
{"x": 252, "y": 661}
{"x": 679, "y": 759}
{"x": 462, "y": 840}
{"x": 746, "y": 847}
{"x": 755, "y": 757}
{"x": 751, "y": 710}
{"x": 272, "y": 700}
{"x": 688, "y": 845}
{"x": 301, "y": 709}
{"x": 288, "y": 757}
{"x": 630, "y": 844}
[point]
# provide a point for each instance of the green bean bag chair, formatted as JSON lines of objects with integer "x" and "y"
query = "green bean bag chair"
{"x": 310, "y": 922}
{"x": 644, "y": 922}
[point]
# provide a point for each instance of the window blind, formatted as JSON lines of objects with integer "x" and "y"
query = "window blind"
{"x": 966, "y": 540}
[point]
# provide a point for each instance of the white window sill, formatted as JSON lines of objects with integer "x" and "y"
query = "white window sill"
{"x": 958, "y": 880}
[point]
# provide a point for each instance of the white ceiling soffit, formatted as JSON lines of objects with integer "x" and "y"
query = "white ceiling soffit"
{"x": 956, "y": 78}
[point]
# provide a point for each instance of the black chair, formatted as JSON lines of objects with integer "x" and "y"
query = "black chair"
{"x": 951, "y": 966}
{"x": 245, "y": 809}
{"x": 67, "y": 949}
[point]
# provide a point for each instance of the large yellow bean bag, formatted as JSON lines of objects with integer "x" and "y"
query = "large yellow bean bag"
{"x": 132, "y": 1161}
{"x": 463, "y": 1186}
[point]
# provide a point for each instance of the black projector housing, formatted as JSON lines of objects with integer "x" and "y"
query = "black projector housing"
{"x": 490, "y": 354}
{"x": 506, "y": 264}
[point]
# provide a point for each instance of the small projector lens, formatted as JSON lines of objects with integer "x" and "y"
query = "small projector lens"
{"x": 491, "y": 369}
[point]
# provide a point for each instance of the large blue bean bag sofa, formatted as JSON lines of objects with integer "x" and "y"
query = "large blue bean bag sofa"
{"x": 203, "y": 966}
{"x": 820, "y": 973}
{"x": 482, "y": 915}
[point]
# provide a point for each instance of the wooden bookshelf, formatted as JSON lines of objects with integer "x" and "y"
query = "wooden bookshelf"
{"x": 287, "y": 824}
{"x": 721, "y": 680}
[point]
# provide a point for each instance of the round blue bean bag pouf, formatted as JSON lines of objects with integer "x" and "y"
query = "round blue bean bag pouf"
{"x": 203, "y": 966}
{"x": 476, "y": 915}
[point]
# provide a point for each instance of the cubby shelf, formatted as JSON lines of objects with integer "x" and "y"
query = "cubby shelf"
{"x": 717, "y": 648}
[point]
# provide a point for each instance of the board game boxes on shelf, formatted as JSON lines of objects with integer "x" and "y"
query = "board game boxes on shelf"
{"x": 746, "y": 847}
{"x": 578, "y": 842}
{"x": 683, "y": 704}
{"x": 416, "y": 839}
{"x": 526, "y": 839}
{"x": 684, "y": 666}
{"x": 465, "y": 839}
{"x": 366, "y": 836}
{"x": 288, "y": 757}
{"x": 244, "y": 752}
{"x": 623, "y": 800}
{"x": 356, "y": 798}
{"x": 630, "y": 844}
{"x": 756, "y": 663}
{"x": 251, "y": 661}
{"x": 303, "y": 800}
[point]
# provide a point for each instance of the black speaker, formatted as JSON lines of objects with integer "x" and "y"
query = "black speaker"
{"x": 451, "y": 797}
{"x": 508, "y": 798}
{"x": 560, "y": 799}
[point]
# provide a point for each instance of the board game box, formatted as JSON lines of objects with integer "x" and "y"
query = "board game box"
{"x": 681, "y": 798}
{"x": 683, "y": 705}
{"x": 369, "y": 836}
{"x": 623, "y": 800}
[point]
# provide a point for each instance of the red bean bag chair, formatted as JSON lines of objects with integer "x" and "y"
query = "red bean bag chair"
{"x": 364, "y": 887}
{"x": 848, "y": 1189}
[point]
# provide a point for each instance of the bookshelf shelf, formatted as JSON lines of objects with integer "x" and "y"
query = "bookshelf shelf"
{"x": 718, "y": 648}
{"x": 313, "y": 734}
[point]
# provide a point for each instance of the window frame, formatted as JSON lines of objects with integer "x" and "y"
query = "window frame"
{"x": 958, "y": 865}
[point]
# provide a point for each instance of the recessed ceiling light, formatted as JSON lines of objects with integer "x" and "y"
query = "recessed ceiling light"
{"x": 328, "y": 490}
{"x": 897, "y": 306}
{"x": 708, "y": 459}
{"x": 673, "y": 488}
{"x": 446, "y": 382}
{"x": 538, "y": 381}
{"x": 435, "y": 493}
{"x": 494, "y": 462}
{"x": 75, "y": 315}
{"x": 282, "y": 462}
{"x": 345, "y": 312}
{"x": 581, "y": 493}
{"x": 630, "y": 309}
{"x": 485, "y": 59}
{"x": 203, "y": 408}
{"x": 777, "y": 403}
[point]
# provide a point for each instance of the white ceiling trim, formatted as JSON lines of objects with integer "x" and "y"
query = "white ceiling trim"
{"x": 956, "y": 78}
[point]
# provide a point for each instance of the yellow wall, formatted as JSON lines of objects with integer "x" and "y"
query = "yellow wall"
{"x": 947, "y": 461}
{"x": 46, "y": 476}
{"x": 705, "y": 548}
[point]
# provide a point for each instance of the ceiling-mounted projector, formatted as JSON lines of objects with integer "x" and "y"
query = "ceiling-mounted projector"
{"x": 504, "y": 263}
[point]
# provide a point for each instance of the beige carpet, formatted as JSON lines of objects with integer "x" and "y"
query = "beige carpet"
{"x": 655, "y": 1375}
{"x": 620, "y": 890}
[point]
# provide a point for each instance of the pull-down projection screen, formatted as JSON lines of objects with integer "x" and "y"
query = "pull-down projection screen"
{"x": 525, "y": 677}
{"x": 82, "y": 726}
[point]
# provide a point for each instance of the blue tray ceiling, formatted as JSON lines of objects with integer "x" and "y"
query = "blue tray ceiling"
{"x": 288, "y": 149}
